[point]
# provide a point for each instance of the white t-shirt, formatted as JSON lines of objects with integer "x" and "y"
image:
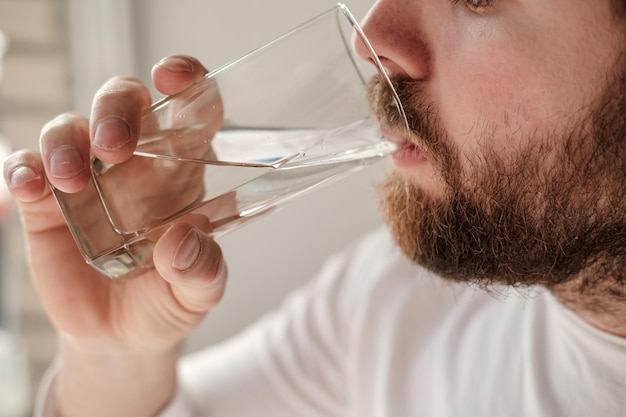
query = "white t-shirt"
{"x": 375, "y": 336}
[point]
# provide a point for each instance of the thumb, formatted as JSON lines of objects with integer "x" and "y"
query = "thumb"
{"x": 193, "y": 264}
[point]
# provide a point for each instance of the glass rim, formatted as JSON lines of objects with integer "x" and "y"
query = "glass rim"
{"x": 375, "y": 59}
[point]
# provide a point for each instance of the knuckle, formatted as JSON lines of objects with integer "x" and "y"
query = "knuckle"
{"x": 61, "y": 121}
{"x": 64, "y": 126}
{"x": 121, "y": 88}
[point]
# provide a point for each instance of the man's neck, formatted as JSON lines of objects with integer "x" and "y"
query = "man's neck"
{"x": 603, "y": 307}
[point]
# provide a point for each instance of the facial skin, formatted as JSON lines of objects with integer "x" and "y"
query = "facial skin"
{"x": 514, "y": 170}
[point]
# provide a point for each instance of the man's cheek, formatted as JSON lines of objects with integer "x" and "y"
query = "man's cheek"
{"x": 501, "y": 110}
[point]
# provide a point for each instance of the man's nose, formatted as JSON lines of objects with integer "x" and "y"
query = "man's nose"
{"x": 394, "y": 30}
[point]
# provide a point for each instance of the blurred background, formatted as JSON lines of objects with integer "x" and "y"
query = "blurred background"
{"x": 56, "y": 53}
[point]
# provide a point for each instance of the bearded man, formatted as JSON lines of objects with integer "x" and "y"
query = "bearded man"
{"x": 498, "y": 288}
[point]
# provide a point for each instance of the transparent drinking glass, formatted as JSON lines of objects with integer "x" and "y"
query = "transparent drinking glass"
{"x": 279, "y": 121}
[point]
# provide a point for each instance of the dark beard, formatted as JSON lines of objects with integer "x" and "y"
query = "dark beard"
{"x": 546, "y": 215}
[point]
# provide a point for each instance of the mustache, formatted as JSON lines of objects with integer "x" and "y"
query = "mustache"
{"x": 420, "y": 114}
{"x": 425, "y": 128}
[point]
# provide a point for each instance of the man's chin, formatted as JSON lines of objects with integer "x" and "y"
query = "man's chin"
{"x": 455, "y": 236}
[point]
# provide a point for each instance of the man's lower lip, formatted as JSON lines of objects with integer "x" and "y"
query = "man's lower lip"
{"x": 408, "y": 155}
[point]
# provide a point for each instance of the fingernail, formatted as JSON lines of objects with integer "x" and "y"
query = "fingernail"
{"x": 111, "y": 133}
{"x": 187, "y": 252}
{"x": 65, "y": 162}
{"x": 176, "y": 64}
{"x": 22, "y": 175}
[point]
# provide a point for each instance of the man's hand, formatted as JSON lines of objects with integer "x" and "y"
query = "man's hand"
{"x": 119, "y": 342}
